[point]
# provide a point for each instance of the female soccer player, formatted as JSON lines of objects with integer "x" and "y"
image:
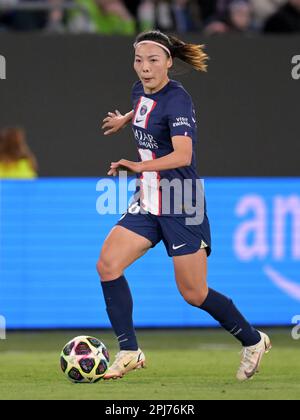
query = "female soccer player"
{"x": 164, "y": 126}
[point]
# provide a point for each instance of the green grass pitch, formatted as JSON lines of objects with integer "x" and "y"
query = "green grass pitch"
{"x": 182, "y": 364}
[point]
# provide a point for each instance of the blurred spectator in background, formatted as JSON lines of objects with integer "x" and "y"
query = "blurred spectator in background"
{"x": 126, "y": 17}
{"x": 102, "y": 16}
{"x": 132, "y": 6}
{"x": 286, "y": 20}
{"x": 169, "y": 15}
{"x": 263, "y": 9}
{"x": 23, "y": 20}
{"x": 146, "y": 15}
{"x": 240, "y": 16}
{"x": 5, "y": 13}
{"x": 222, "y": 7}
{"x": 56, "y": 17}
{"x": 187, "y": 16}
{"x": 208, "y": 9}
{"x": 237, "y": 18}
{"x": 17, "y": 16}
{"x": 16, "y": 159}
{"x": 164, "y": 16}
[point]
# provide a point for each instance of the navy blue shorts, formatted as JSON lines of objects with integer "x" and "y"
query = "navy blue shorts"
{"x": 179, "y": 238}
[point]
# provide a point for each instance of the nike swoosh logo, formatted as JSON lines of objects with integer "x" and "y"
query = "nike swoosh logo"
{"x": 119, "y": 221}
{"x": 252, "y": 373}
{"x": 127, "y": 364}
{"x": 266, "y": 347}
{"x": 179, "y": 246}
{"x": 291, "y": 288}
{"x": 138, "y": 121}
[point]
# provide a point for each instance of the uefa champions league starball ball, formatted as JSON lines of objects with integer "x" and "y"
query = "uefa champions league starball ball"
{"x": 84, "y": 359}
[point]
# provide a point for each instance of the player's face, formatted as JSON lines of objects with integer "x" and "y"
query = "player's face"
{"x": 152, "y": 64}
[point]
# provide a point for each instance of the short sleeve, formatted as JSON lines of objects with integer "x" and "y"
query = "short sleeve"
{"x": 181, "y": 115}
{"x": 135, "y": 94}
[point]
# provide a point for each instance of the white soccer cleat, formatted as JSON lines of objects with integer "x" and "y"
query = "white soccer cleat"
{"x": 251, "y": 358}
{"x": 126, "y": 360}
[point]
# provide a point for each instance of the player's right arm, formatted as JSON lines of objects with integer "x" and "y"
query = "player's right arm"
{"x": 115, "y": 121}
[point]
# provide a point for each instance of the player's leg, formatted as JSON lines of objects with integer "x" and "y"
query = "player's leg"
{"x": 191, "y": 279}
{"x": 128, "y": 241}
{"x": 121, "y": 248}
{"x": 191, "y": 274}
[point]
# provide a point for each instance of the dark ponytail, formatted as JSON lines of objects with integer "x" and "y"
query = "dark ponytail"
{"x": 191, "y": 54}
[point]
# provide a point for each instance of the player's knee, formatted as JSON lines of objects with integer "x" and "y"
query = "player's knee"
{"x": 195, "y": 297}
{"x": 99, "y": 267}
{"x": 108, "y": 270}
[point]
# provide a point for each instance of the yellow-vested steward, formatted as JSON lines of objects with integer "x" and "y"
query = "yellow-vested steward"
{"x": 21, "y": 169}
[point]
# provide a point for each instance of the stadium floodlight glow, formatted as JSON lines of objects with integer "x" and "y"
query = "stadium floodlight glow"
{"x": 2, "y": 68}
{"x": 296, "y": 67}
{"x": 2, "y": 328}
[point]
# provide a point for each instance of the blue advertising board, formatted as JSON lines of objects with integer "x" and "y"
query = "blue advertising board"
{"x": 51, "y": 235}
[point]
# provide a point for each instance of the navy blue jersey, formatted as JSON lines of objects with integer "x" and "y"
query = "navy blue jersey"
{"x": 157, "y": 118}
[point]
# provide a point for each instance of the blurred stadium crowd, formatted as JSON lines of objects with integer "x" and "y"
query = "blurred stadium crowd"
{"x": 130, "y": 16}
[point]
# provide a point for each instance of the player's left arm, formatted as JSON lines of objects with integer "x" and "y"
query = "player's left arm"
{"x": 180, "y": 157}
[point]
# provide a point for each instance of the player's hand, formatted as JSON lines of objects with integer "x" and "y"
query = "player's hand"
{"x": 125, "y": 165}
{"x": 113, "y": 123}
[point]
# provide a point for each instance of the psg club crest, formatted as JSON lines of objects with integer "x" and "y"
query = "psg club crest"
{"x": 143, "y": 110}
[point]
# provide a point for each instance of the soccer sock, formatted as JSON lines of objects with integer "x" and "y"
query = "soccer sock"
{"x": 119, "y": 307}
{"x": 223, "y": 310}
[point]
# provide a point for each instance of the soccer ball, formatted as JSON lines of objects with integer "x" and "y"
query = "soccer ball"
{"x": 84, "y": 360}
